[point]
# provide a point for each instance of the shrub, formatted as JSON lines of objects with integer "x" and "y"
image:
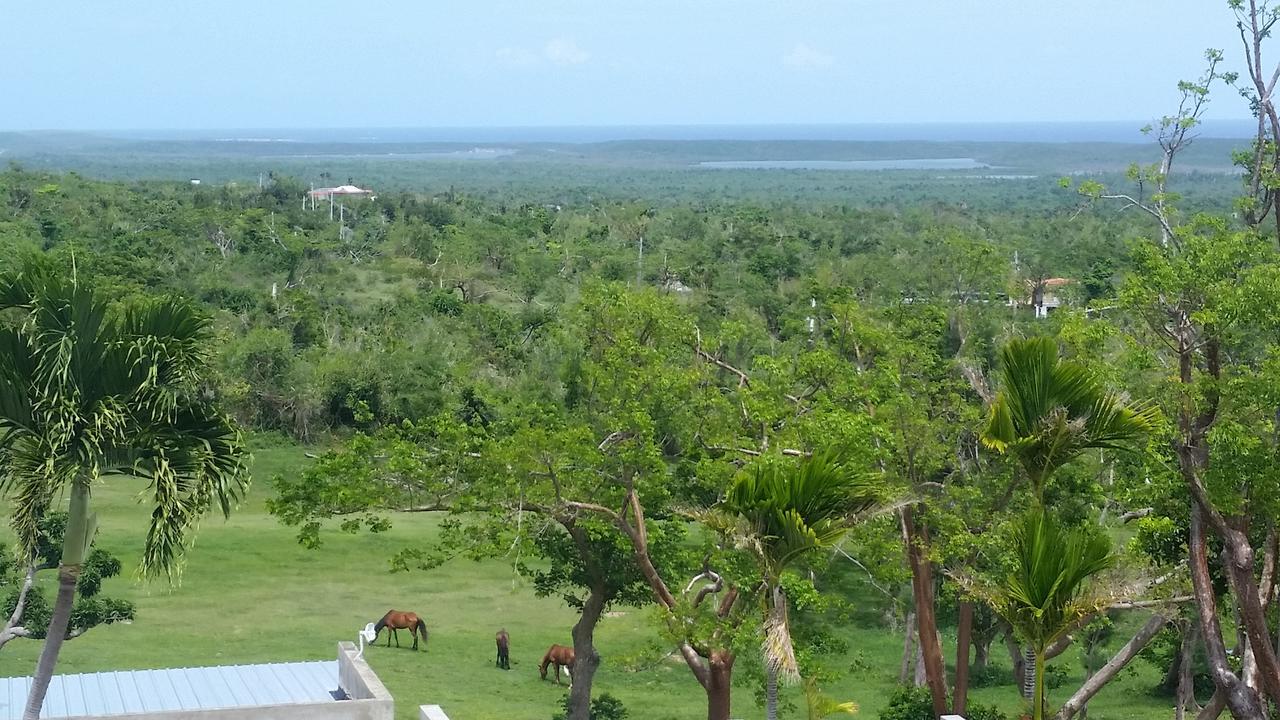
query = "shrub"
{"x": 915, "y": 703}
{"x": 603, "y": 707}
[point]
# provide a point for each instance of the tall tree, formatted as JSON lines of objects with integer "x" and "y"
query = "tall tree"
{"x": 783, "y": 514}
{"x": 87, "y": 392}
{"x": 1207, "y": 300}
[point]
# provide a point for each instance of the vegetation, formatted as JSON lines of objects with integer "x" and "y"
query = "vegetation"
{"x": 87, "y": 394}
{"x": 657, "y": 419}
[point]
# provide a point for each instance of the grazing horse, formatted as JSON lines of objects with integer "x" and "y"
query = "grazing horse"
{"x": 397, "y": 620}
{"x": 504, "y": 649}
{"x": 561, "y": 657}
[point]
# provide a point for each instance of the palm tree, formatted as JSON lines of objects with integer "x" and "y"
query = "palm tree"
{"x": 1048, "y": 411}
{"x": 1045, "y": 597}
{"x": 783, "y": 513}
{"x": 87, "y": 392}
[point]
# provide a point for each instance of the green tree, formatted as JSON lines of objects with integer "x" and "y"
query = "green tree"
{"x": 1046, "y": 595}
{"x": 27, "y": 607}
{"x": 783, "y": 514}
{"x": 1048, "y": 411}
{"x": 87, "y": 392}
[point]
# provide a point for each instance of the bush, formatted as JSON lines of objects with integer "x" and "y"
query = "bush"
{"x": 603, "y": 707}
{"x": 915, "y": 703}
{"x": 444, "y": 302}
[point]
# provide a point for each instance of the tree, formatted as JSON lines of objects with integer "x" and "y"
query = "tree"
{"x": 1045, "y": 596}
{"x": 1206, "y": 299}
{"x": 1048, "y": 411}
{"x": 87, "y": 392}
{"x": 28, "y": 609}
{"x": 782, "y": 514}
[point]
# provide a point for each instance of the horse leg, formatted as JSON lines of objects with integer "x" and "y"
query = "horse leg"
{"x": 414, "y": 633}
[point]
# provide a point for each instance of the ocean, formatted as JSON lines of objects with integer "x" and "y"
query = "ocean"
{"x": 1109, "y": 131}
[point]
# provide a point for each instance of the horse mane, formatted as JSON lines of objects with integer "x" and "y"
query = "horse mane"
{"x": 422, "y": 627}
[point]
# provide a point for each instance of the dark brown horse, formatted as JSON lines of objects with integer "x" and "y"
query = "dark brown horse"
{"x": 396, "y": 620}
{"x": 504, "y": 649}
{"x": 561, "y": 657}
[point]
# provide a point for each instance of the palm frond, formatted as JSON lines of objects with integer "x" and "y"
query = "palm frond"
{"x": 87, "y": 391}
{"x": 1048, "y": 410}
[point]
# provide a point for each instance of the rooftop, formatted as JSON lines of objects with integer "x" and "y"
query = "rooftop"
{"x": 148, "y": 691}
{"x": 342, "y": 688}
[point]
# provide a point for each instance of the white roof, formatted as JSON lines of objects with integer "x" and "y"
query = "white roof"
{"x": 146, "y": 691}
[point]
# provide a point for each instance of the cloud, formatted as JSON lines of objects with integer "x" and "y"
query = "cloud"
{"x": 565, "y": 52}
{"x": 807, "y": 58}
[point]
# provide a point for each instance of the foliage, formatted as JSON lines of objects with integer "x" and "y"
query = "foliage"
{"x": 87, "y": 391}
{"x": 90, "y": 609}
{"x": 915, "y": 703}
{"x": 1049, "y": 410}
{"x": 603, "y": 707}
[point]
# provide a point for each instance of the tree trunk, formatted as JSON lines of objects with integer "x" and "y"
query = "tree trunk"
{"x": 919, "y": 676}
{"x": 1240, "y": 699}
{"x": 982, "y": 654}
{"x": 963, "y": 634}
{"x": 720, "y": 685}
{"x": 1117, "y": 663}
{"x": 12, "y": 628}
{"x": 585, "y": 658}
{"x": 1186, "y": 691}
{"x": 75, "y": 543}
{"x": 922, "y": 587}
{"x": 1017, "y": 659}
{"x": 908, "y": 648}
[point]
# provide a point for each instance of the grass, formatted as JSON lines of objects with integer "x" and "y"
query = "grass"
{"x": 250, "y": 593}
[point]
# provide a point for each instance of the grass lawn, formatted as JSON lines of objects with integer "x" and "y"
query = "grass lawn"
{"x": 250, "y": 593}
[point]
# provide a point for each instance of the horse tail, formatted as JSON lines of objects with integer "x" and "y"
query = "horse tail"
{"x": 422, "y": 628}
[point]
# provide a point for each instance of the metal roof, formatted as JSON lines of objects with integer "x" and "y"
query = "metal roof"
{"x": 207, "y": 688}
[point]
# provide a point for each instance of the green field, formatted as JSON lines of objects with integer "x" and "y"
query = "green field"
{"x": 250, "y": 593}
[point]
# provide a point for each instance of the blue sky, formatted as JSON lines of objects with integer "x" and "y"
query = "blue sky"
{"x": 109, "y": 64}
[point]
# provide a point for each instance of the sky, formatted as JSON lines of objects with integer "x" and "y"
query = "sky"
{"x": 142, "y": 64}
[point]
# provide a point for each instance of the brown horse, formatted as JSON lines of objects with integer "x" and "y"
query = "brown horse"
{"x": 396, "y": 620}
{"x": 504, "y": 647}
{"x": 561, "y": 657}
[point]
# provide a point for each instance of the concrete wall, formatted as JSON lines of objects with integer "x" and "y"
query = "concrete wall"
{"x": 357, "y": 678}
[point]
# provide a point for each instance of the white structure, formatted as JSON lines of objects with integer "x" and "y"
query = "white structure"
{"x": 345, "y": 689}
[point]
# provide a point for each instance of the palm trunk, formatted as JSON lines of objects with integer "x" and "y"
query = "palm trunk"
{"x": 586, "y": 660}
{"x": 1029, "y": 669}
{"x": 74, "y": 545}
{"x": 1038, "y": 707}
